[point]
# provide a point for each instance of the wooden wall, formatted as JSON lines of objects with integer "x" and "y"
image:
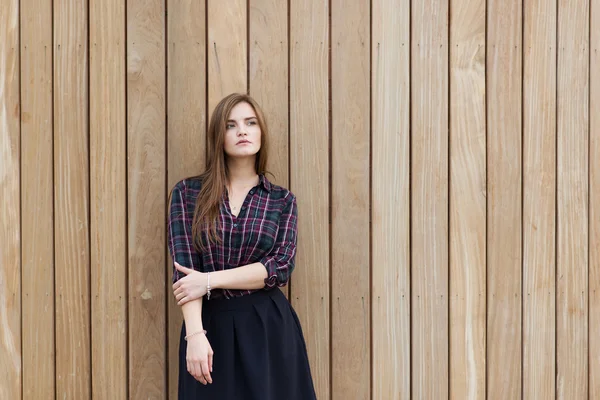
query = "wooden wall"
{"x": 445, "y": 155}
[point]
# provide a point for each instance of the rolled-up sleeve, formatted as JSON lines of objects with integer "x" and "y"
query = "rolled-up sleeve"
{"x": 280, "y": 261}
{"x": 179, "y": 233}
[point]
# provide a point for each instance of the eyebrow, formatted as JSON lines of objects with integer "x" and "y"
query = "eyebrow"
{"x": 245, "y": 119}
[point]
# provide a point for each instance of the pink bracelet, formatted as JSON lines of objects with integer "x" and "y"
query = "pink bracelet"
{"x": 194, "y": 334}
{"x": 208, "y": 286}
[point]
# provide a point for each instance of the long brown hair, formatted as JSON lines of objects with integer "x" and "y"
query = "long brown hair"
{"x": 216, "y": 175}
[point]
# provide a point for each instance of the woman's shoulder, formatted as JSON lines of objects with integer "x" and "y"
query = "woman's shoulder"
{"x": 186, "y": 185}
{"x": 276, "y": 192}
{"x": 281, "y": 192}
{"x": 281, "y": 195}
{"x": 188, "y": 190}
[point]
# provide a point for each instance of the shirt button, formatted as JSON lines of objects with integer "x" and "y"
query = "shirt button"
{"x": 243, "y": 207}
{"x": 252, "y": 192}
{"x": 235, "y": 225}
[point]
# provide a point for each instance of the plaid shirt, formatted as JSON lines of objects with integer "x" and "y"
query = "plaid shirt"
{"x": 265, "y": 231}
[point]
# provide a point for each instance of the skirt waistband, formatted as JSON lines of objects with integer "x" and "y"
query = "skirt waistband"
{"x": 241, "y": 302}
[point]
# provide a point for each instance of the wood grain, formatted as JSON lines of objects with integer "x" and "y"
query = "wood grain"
{"x": 227, "y": 50}
{"x": 71, "y": 200}
{"x": 146, "y": 179}
{"x": 186, "y": 131}
{"x": 37, "y": 220}
{"x": 10, "y": 212}
{"x": 429, "y": 199}
{"x": 108, "y": 203}
{"x": 390, "y": 214}
{"x": 268, "y": 81}
{"x": 350, "y": 288}
{"x": 467, "y": 200}
{"x": 309, "y": 170}
{"x": 594, "y": 202}
{"x": 539, "y": 199}
{"x": 510, "y": 86}
{"x": 572, "y": 200}
{"x": 504, "y": 198}
{"x": 269, "y": 78}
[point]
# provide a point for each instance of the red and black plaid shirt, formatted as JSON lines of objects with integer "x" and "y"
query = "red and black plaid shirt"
{"x": 265, "y": 231}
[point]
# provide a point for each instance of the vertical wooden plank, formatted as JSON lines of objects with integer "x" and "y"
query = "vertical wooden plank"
{"x": 186, "y": 108}
{"x": 227, "y": 50}
{"x": 504, "y": 198}
{"x": 146, "y": 173}
{"x": 268, "y": 80}
{"x": 467, "y": 200}
{"x": 309, "y": 145}
{"x": 429, "y": 196}
{"x": 539, "y": 199}
{"x": 108, "y": 190}
{"x": 10, "y": 217}
{"x": 390, "y": 196}
{"x": 572, "y": 199}
{"x": 71, "y": 199}
{"x": 350, "y": 275}
{"x": 37, "y": 200}
{"x": 594, "y": 202}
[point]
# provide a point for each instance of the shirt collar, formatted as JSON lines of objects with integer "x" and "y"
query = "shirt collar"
{"x": 262, "y": 179}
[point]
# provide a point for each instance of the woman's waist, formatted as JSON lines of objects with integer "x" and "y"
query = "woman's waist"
{"x": 239, "y": 299}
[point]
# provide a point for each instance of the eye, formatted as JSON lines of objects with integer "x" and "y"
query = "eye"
{"x": 230, "y": 126}
{"x": 252, "y": 122}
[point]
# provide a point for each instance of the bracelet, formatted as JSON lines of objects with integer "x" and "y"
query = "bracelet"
{"x": 208, "y": 286}
{"x": 194, "y": 334}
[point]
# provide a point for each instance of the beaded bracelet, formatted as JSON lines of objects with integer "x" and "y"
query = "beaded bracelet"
{"x": 194, "y": 334}
{"x": 208, "y": 286}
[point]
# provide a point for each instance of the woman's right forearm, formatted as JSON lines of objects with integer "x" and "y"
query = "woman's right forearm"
{"x": 192, "y": 314}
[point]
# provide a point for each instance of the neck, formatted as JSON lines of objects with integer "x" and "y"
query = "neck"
{"x": 241, "y": 171}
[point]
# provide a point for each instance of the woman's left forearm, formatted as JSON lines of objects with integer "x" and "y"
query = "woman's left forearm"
{"x": 247, "y": 277}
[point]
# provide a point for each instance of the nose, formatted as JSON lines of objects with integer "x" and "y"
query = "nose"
{"x": 242, "y": 131}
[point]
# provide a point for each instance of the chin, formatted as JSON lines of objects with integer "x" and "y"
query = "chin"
{"x": 242, "y": 154}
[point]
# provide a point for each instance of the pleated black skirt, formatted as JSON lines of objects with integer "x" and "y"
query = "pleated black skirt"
{"x": 259, "y": 351}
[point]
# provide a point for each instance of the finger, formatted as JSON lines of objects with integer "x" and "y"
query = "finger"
{"x": 191, "y": 369}
{"x": 200, "y": 374}
{"x": 195, "y": 371}
{"x": 206, "y": 372}
{"x": 177, "y": 284}
{"x": 183, "y": 301}
{"x": 179, "y": 294}
{"x": 210, "y": 361}
{"x": 183, "y": 269}
{"x": 200, "y": 378}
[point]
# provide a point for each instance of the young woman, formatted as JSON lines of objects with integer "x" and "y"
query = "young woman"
{"x": 232, "y": 236}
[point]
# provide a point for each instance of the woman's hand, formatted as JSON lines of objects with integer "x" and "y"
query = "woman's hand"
{"x": 190, "y": 287}
{"x": 199, "y": 358}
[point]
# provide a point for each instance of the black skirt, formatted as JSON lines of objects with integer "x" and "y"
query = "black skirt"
{"x": 259, "y": 351}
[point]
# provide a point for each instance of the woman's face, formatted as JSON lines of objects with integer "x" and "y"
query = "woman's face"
{"x": 242, "y": 133}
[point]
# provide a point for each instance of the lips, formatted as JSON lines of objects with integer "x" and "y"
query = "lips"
{"x": 242, "y": 142}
